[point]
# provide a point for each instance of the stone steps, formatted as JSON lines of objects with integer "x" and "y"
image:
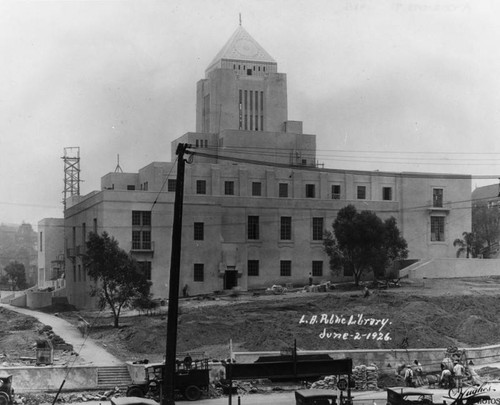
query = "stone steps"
{"x": 111, "y": 377}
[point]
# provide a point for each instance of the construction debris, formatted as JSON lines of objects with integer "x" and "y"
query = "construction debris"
{"x": 365, "y": 379}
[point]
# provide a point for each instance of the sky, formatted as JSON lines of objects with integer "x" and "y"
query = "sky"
{"x": 386, "y": 85}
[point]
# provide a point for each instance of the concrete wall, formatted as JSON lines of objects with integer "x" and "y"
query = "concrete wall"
{"x": 28, "y": 379}
{"x": 19, "y": 301}
{"x": 50, "y": 248}
{"x": 453, "y": 268}
{"x": 416, "y": 201}
{"x": 222, "y": 88}
{"x": 38, "y": 299}
{"x": 388, "y": 359}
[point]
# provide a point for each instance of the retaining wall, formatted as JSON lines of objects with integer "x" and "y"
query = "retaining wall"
{"x": 28, "y": 379}
{"x": 453, "y": 268}
{"x": 389, "y": 359}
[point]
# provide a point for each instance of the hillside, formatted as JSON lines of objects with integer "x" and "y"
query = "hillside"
{"x": 436, "y": 313}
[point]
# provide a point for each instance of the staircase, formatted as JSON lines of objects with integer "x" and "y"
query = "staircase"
{"x": 111, "y": 377}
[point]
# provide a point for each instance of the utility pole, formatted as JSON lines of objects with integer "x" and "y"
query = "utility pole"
{"x": 167, "y": 386}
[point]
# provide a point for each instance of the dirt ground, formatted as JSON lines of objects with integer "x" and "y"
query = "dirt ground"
{"x": 422, "y": 314}
{"x": 428, "y": 313}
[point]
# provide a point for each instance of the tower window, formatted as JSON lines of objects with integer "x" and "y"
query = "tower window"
{"x": 249, "y": 72}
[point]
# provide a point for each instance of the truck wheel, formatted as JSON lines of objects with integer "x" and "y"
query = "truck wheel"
{"x": 135, "y": 392}
{"x": 192, "y": 393}
{"x": 4, "y": 398}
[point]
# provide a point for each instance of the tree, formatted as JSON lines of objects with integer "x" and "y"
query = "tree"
{"x": 119, "y": 279}
{"x": 469, "y": 245}
{"x": 17, "y": 275}
{"x": 486, "y": 225}
{"x": 361, "y": 241}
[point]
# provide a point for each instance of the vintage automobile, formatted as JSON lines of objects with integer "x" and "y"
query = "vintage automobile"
{"x": 6, "y": 390}
{"x": 190, "y": 380}
{"x": 409, "y": 396}
{"x": 316, "y": 397}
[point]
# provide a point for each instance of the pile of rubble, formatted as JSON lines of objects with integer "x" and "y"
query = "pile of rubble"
{"x": 328, "y": 383}
{"x": 68, "y": 397}
{"x": 364, "y": 377}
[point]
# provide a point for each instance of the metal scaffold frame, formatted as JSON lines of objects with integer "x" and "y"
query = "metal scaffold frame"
{"x": 71, "y": 172}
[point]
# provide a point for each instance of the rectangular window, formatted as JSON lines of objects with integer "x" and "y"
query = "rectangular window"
{"x": 84, "y": 233}
{"x": 256, "y": 189}
{"x": 131, "y": 187}
{"x": 136, "y": 218}
{"x": 317, "y": 228}
{"x": 95, "y": 225}
{"x": 240, "y": 110}
{"x": 310, "y": 191}
{"x": 285, "y": 268}
{"x": 387, "y": 193}
{"x": 437, "y": 197}
{"x": 141, "y": 218}
{"x": 201, "y": 187}
{"x": 146, "y": 186}
{"x": 361, "y": 193}
{"x": 199, "y": 231}
{"x": 437, "y": 229}
{"x": 146, "y": 240}
{"x": 253, "y": 268}
{"x": 283, "y": 190}
{"x": 199, "y": 272}
{"x": 336, "y": 192}
{"x": 286, "y": 228}
{"x": 145, "y": 268}
{"x": 41, "y": 242}
{"x": 229, "y": 187}
{"x": 253, "y": 227}
{"x": 136, "y": 239}
{"x": 317, "y": 268}
{"x": 171, "y": 184}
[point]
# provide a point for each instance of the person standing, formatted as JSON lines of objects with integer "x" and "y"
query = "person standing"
{"x": 419, "y": 373}
{"x": 310, "y": 279}
{"x": 409, "y": 376}
{"x": 458, "y": 371}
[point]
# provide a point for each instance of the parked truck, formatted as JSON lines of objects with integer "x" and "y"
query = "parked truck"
{"x": 191, "y": 379}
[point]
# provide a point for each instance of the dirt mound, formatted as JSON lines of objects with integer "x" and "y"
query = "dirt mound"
{"x": 415, "y": 319}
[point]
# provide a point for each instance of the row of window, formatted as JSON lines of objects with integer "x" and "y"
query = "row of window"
{"x": 253, "y": 228}
{"x": 253, "y": 269}
{"x": 283, "y": 190}
{"x": 253, "y": 68}
{"x": 251, "y": 110}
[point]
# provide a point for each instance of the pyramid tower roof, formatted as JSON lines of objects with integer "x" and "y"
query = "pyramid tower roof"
{"x": 242, "y": 47}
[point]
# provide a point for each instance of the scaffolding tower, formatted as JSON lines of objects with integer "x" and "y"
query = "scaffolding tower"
{"x": 71, "y": 172}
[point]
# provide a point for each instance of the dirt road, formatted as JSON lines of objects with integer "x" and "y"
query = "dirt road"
{"x": 90, "y": 352}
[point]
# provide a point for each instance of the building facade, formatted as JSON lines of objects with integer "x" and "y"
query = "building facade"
{"x": 51, "y": 255}
{"x": 256, "y": 203}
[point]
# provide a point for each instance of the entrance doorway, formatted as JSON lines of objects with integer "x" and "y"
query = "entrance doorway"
{"x": 230, "y": 279}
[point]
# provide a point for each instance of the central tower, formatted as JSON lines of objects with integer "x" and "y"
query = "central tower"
{"x": 242, "y": 89}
